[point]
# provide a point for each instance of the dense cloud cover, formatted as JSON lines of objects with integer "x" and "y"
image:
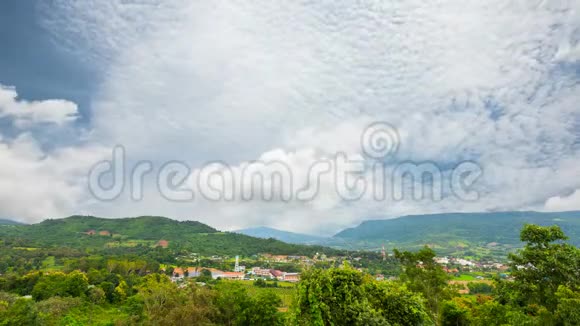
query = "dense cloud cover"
{"x": 492, "y": 82}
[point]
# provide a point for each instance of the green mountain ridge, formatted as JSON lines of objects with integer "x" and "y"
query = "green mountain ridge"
{"x": 451, "y": 231}
{"x": 107, "y": 234}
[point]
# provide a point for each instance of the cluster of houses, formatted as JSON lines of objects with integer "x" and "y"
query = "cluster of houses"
{"x": 256, "y": 272}
{"x": 290, "y": 258}
{"x": 180, "y": 273}
{"x": 449, "y": 262}
{"x": 274, "y": 274}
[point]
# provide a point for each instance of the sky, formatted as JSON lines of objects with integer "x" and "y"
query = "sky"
{"x": 495, "y": 83}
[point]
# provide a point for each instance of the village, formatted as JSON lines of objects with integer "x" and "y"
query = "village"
{"x": 240, "y": 272}
{"x": 272, "y": 267}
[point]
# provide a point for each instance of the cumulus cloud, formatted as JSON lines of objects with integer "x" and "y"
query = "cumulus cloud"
{"x": 37, "y": 183}
{"x": 236, "y": 81}
{"x": 564, "y": 203}
{"x": 27, "y": 113}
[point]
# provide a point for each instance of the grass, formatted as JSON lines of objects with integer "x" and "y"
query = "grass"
{"x": 25, "y": 248}
{"x": 49, "y": 263}
{"x": 464, "y": 277}
{"x": 285, "y": 290}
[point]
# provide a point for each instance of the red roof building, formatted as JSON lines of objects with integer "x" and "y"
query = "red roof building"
{"x": 163, "y": 243}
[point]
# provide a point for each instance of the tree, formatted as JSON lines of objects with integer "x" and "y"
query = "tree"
{"x": 21, "y": 312}
{"x": 539, "y": 269}
{"x": 159, "y": 295}
{"x": 454, "y": 313}
{"x": 345, "y": 296}
{"x": 568, "y": 309}
{"x": 231, "y": 301}
{"x": 50, "y": 285}
{"x": 423, "y": 275}
{"x": 263, "y": 309}
{"x": 109, "y": 290}
{"x": 479, "y": 288}
{"x": 76, "y": 284}
{"x": 196, "y": 308}
{"x": 53, "y": 309}
{"x": 396, "y": 303}
{"x": 260, "y": 283}
{"x": 120, "y": 293}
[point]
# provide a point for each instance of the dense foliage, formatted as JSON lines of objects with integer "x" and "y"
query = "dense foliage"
{"x": 344, "y": 296}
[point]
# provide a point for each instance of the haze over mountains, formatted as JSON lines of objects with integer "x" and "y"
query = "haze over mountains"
{"x": 286, "y": 236}
{"x": 4, "y": 221}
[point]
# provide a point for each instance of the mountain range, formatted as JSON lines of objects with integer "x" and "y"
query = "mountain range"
{"x": 456, "y": 230}
{"x": 286, "y": 236}
{"x": 451, "y": 233}
{"x": 464, "y": 234}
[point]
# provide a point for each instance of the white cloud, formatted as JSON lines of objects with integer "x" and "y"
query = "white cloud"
{"x": 235, "y": 81}
{"x": 564, "y": 203}
{"x": 37, "y": 183}
{"x": 27, "y": 113}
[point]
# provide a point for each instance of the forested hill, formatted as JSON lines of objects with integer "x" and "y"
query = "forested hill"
{"x": 458, "y": 229}
{"x": 129, "y": 234}
{"x": 142, "y": 227}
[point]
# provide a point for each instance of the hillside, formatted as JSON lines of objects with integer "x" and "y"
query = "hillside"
{"x": 102, "y": 234}
{"x": 9, "y": 222}
{"x": 286, "y": 236}
{"x": 455, "y": 231}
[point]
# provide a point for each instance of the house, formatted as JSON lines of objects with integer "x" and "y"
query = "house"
{"x": 163, "y": 243}
{"x": 380, "y": 277}
{"x": 105, "y": 233}
{"x": 178, "y": 272}
{"x": 90, "y": 232}
{"x": 258, "y": 271}
{"x": 291, "y": 277}
{"x": 216, "y": 273}
{"x": 232, "y": 275}
{"x": 464, "y": 262}
{"x": 277, "y": 274}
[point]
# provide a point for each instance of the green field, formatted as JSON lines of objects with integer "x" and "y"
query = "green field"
{"x": 285, "y": 290}
{"x": 464, "y": 277}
